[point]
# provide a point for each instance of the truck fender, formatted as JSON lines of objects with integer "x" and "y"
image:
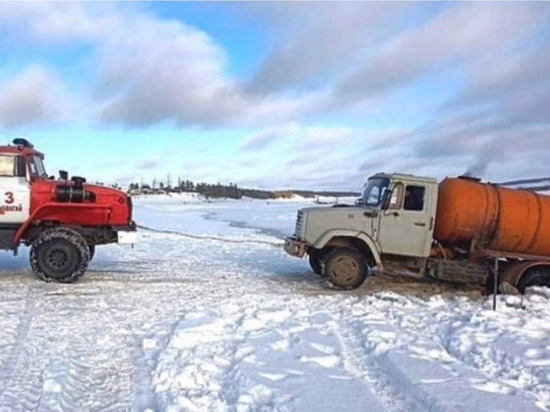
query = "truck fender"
{"x": 514, "y": 272}
{"x": 361, "y": 236}
{"x": 47, "y": 210}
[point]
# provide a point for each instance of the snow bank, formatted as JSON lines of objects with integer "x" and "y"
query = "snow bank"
{"x": 185, "y": 197}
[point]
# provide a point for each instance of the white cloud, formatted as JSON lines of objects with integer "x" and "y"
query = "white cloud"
{"x": 150, "y": 70}
{"x": 270, "y": 135}
{"x": 461, "y": 32}
{"x": 33, "y": 96}
{"x": 165, "y": 70}
{"x": 299, "y": 136}
{"x": 515, "y": 86}
{"x": 314, "y": 40}
{"x": 322, "y": 157}
{"x": 327, "y": 135}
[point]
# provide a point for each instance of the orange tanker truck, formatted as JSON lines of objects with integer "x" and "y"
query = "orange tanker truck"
{"x": 459, "y": 230}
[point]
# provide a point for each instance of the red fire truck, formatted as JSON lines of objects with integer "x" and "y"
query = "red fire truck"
{"x": 61, "y": 219}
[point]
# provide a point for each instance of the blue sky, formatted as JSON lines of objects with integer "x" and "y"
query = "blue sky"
{"x": 278, "y": 95}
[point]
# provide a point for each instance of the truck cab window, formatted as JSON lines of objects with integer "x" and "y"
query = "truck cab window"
{"x": 414, "y": 198}
{"x": 374, "y": 192}
{"x": 7, "y": 166}
{"x": 37, "y": 167}
{"x": 396, "y": 196}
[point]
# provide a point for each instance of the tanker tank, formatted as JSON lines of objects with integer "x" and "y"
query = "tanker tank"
{"x": 499, "y": 218}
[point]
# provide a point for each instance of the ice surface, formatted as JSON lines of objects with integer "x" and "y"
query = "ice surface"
{"x": 181, "y": 324}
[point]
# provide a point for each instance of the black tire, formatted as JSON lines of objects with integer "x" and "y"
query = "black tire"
{"x": 59, "y": 255}
{"x": 316, "y": 258}
{"x": 345, "y": 268}
{"x": 534, "y": 277}
{"x": 92, "y": 251}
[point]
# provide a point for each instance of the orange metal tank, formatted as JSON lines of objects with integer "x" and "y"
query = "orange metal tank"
{"x": 507, "y": 220}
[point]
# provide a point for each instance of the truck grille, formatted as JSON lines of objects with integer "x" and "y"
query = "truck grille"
{"x": 299, "y": 222}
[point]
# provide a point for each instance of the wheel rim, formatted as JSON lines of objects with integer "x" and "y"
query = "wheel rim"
{"x": 59, "y": 259}
{"x": 345, "y": 269}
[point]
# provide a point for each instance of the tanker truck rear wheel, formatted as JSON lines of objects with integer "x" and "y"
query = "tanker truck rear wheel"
{"x": 345, "y": 268}
{"x": 535, "y": 277}
{"x": 59, "y": 255}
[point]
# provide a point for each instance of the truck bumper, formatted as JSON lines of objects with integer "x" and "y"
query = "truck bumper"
{"x": 295, "y": 247}
{"x": 126, "y": 238}
{"x": 126, "y": 235}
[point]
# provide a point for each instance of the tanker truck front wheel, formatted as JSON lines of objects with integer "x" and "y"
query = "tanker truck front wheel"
{"x": 317, "y": 260}
{"x": 59, "y": 255}
{"x": 345, "y": 268}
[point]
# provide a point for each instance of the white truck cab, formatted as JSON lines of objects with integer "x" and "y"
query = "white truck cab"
{"x": 15, "y": 193}
{"x": 406, "y": 212}
{"x": 395, "y": 215}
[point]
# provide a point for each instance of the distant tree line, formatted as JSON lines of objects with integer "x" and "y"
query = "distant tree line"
{"x": 218, "y": 190}
{"x": 208, "y": 190}
{"x": 231, "y": 191}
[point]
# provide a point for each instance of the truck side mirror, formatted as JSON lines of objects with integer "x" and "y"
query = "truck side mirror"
{"x": 20, "y": 166}
{"x": 63, "y": 175}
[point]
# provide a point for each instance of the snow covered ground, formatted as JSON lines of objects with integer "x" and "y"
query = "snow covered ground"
{"x": 181, "y": 323}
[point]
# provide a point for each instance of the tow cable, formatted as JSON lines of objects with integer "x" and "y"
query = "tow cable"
{"x": 207, "y": 237}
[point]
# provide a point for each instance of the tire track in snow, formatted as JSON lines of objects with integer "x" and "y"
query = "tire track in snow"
{"x": 146, "y": 360}
{"x": 388, "y": 328}
{"x": 396, "y": 335}
{"x": 359, "y": 360}
{"x": 65, "y": 379}
{"x": 230, "y": 389}
{"x": 19, "y": 345}
{"x": 67, "y": 361}
{"x": 461, "y": 339}
{"x": 200, "y": 368}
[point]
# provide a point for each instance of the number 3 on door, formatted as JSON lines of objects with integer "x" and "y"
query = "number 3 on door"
{"x": 9, "y": 198}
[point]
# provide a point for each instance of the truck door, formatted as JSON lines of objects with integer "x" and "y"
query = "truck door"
{"x": 406, "y": 225}
{"x": 15, "y": 191}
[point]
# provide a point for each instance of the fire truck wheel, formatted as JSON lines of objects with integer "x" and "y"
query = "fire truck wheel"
{"x": 59, "y": 255}
{"x": 346, "y": 268}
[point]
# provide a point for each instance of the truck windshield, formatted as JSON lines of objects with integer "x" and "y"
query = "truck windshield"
{"x": 37, "y": 167}
{"x": 374, "y": 192}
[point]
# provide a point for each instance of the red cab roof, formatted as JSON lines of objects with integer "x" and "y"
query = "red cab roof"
{"x": 26, "y": 151}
